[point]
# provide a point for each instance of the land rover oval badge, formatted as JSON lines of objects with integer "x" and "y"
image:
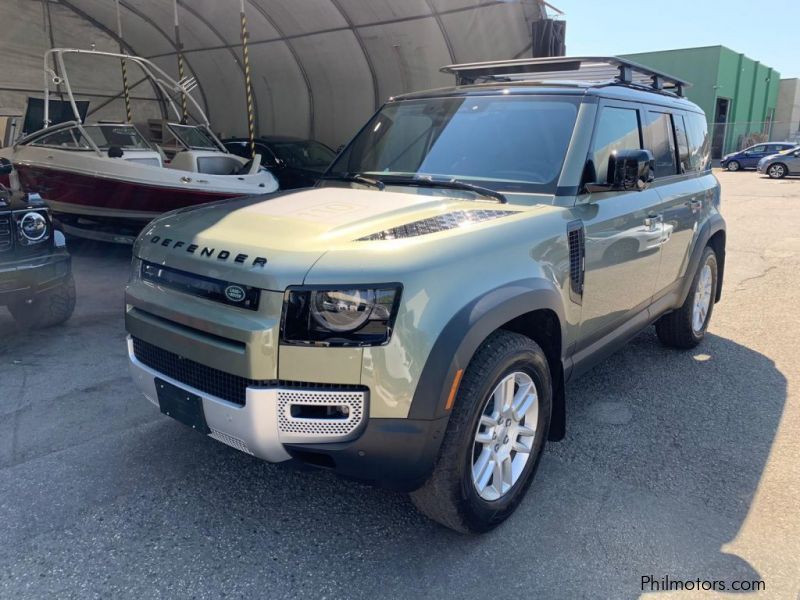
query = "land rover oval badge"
{"x": 234, "y": 293}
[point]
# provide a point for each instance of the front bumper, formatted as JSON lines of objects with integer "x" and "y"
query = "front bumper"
{"x": 393, "y": 453}
{"x": 24, "y": 278}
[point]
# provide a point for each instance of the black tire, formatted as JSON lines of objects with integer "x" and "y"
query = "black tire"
{"x": 734, "y": 165}
{"x": 675, "y": 329}
{"x": 449, "y": 496}
{"x": 48, "y": 308}
{"x": 777, "y": 171}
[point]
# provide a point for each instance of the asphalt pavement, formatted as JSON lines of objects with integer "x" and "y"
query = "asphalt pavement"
{"x": 676, "y": 464}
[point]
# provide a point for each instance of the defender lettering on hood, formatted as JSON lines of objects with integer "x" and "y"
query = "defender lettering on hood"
{"x": 206, "y": 252}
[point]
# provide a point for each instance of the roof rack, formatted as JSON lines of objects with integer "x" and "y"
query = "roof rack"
{"x": 601, "y": 70}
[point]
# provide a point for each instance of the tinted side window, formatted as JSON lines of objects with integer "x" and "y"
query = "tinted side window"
{"x": 267, "y": 157}
{"x": 238, "y": 148}
{"x": 661, "y": 143}
{"x": 617, "y": 129}
{"x": 684, "y": 164}
{"x": 759, "y": 149}
{"x": 697, "y": 128}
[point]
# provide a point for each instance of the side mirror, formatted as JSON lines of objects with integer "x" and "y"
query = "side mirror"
{"x": 627, "y": 170}
{"x": 630, "y": 170}
{"x": 5, "y": 166}
{"x": 115, "y": 152}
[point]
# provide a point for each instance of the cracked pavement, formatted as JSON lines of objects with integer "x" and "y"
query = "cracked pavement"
{"x": 676, "y": 463}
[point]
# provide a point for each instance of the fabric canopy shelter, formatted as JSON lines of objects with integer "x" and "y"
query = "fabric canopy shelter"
{"x": 319, "y": 67}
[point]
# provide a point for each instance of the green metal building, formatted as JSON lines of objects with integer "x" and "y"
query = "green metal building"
{"x": 738, "y": 94}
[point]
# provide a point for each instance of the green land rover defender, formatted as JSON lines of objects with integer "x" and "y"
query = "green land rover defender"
{"x": 412, "y": 320}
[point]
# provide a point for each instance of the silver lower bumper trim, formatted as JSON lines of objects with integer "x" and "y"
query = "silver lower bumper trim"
{"x": 252, "y": 428}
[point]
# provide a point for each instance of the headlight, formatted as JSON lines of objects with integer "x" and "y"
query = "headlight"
{"x": 362, "y": 316}
{"x": 33, "y": 227}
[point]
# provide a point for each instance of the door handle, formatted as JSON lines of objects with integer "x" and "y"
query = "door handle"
{"x": 695, "y": 205}
{"x": 652, "y": 221}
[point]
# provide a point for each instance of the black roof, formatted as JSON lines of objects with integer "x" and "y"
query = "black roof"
{"x": 597, "y": 70}
{"x": 586, "y": 76}
{"x": 631, "y": 94}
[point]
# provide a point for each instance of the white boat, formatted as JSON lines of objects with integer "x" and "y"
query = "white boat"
{"x": 106, "y": 181}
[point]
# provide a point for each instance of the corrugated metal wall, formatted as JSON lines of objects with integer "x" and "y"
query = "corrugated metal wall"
{"x": 320, "y": 67}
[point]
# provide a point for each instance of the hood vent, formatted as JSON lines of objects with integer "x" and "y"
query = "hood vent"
{"x": 443, "y": 222}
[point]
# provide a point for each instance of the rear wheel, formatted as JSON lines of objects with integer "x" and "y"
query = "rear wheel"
{"x": 494, "y": 438}
{"x": 734, "y": 165}
{"x": 777, "y": 171}
{"x": 48, "y": 308}
{"x": 686, "y": 326}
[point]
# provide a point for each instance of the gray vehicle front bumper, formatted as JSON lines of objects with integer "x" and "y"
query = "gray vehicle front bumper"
{"x": 265, "y": 423}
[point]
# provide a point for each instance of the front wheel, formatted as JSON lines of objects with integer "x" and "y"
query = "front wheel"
{"x": 494, "y": 438}
{"x": 734, "y": 165}
{"x": 686, "y": 326}
{"x": 48, "y": 308}
{"x": 777, "y": 171}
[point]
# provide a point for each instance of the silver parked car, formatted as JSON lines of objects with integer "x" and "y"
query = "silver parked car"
{"x": 778, "y": 166}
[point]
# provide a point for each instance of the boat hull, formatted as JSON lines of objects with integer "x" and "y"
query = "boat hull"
{"x": 101, "y": 197}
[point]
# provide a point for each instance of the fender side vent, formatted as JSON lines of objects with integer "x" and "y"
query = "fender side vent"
{"x": 577, "y": 259}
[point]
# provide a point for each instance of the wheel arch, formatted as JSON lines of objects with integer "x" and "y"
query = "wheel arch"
{"x": 711, "y": 233}
{"x": 717, "y": 242}
{"x": 531, "y": 307}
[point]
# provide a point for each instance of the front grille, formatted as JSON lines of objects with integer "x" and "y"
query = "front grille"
{"x": 6, "y": 237}
{"x": 213, "y": 381}
{"x": 206, "y": 379}
{"x": 443, "y": 222}
{"x": 233, "y": 294}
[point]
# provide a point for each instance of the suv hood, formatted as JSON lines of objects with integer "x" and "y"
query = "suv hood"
{"x": 273, "y": 242}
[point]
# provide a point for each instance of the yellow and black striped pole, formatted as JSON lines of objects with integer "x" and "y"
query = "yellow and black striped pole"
{"x": 181, "y": 72}
{"x": 251, "y": 118}
{"x": 125, "y": 88}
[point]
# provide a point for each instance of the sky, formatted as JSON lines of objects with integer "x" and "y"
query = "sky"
{"x": 764, "y": 31}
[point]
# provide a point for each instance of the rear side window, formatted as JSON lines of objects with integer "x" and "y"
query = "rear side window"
{"x": 682, "y": 138}
{"x": 617, "y": 129}
{"x": 697, "y": 130}
{"x": 661, "y": 143}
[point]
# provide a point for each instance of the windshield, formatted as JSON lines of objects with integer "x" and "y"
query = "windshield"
{"x": 512, "y": 143}
{"x": 122, "y": 136}
{"x": 192, "y": 137}
{"x": 304, "y": 155}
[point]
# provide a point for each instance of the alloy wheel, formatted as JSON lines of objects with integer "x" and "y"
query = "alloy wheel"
{"x": 504, "y": 438}
{"x": 702, "y": 299}
{"x": 776, "y": 171}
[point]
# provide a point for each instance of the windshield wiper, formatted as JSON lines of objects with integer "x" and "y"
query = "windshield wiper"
{"x": 453, "y": 184}
{"x": 356, "y": 178}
